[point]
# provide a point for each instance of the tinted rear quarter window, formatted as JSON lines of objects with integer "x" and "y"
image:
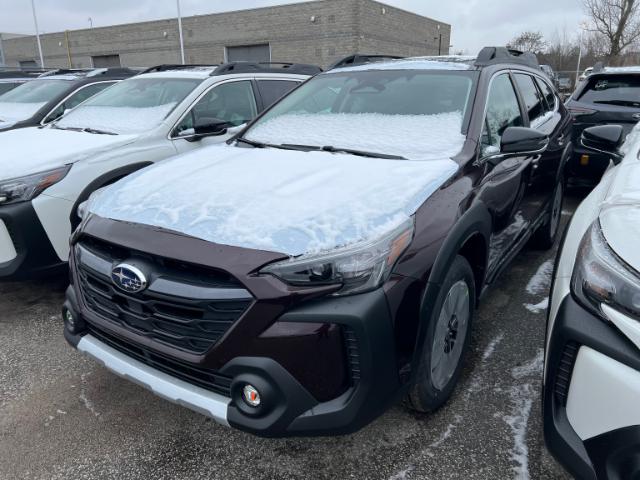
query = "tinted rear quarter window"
{"x": 273, "y": 90}
{"x": 621, "y": 90}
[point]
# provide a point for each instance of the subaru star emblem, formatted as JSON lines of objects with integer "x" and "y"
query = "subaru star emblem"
{"x": 128, "y": 278}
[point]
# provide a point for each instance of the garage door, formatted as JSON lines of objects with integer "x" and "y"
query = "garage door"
{"x": 106, "y": 61}
{"x": 249, "y": 53}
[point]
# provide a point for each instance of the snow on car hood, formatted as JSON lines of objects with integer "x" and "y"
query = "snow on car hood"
{"x": 32, "y": 150}
{"x": 12, "y": 113}
{"x": 285, "y": 201}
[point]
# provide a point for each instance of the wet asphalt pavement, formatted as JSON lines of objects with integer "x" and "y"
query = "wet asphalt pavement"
{"x": 64, "y": 417}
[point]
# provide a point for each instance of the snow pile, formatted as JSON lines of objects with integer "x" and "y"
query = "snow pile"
{"x": 630, "y": 69}
{"x": 541, "y": 281}
{"x": 416, "y": 137}
{"x": 117, "y": 119}
{"x": 415, "y": 63}
{"x": 269, "y": 199}
{"x": 538, "y": 307}
{"x": 40, "y": 149}
{"x": 15, "y": 112}
{"x": 522, "y": 397}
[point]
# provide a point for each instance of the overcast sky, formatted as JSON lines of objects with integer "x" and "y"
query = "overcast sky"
{"x": 475, "y": 22}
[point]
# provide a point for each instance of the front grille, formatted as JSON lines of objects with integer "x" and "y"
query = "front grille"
{"x": 193, "y": 325}
{"x": 207, "y": 379}
{"x": 353, "y": 354}
{"x": 565, "y": 370}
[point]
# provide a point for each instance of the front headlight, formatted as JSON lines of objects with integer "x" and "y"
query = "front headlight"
{"x": 601, "y": 277}
{"x": 359, "y": 268}
{"x": 26, "y": 188}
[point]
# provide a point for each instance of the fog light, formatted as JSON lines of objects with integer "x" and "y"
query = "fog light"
{"x": 251, "y": 395}
{"x": 69, "y": 318}
{"x": 584, "y": 160}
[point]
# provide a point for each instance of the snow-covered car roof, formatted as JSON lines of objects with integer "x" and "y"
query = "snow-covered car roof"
{"x": 195, "y": 72}
{"x": 630, "y": 69}
{"x": 450, "y": 62}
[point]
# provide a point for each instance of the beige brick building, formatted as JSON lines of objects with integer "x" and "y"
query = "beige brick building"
{"x": 317, "y": 32}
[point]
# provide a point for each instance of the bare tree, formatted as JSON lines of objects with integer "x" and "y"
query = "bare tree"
{"x": 529, "y": 42}
{"x": 617, "y": 21}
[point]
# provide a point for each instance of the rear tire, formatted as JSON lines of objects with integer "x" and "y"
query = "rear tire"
{"x": 545, "y": 237}
{"x": 446, "y": 341}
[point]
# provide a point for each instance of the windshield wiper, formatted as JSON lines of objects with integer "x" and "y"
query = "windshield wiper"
{"x": 622, "y": 103}
{"x": 361, "y": 153}
{"x": 98, "y": 132}
{"x": 252, "y": 143}
{"x": 57, "y": 127}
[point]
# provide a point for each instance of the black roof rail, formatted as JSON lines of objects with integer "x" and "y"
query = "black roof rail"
{"x": 362, "y": 59}
{"x": 266, "y": 67}
{"x": 65, "y": 71}
{"x": 495, "y": 55}
{"x": 168, "y": 67}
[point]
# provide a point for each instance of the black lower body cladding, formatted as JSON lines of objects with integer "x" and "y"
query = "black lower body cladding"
{"x": 34, "y": 253}
{"x": 322, "y": 365}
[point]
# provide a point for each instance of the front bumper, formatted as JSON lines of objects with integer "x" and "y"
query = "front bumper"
{"x": 25, "y": 249}
{"x": 591, "y": 393}
{"x": 290, "y": 407}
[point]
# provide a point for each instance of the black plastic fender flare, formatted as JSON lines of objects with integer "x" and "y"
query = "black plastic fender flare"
{"x": 476, "y": 220}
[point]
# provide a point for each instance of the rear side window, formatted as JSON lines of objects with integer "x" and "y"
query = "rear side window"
{"x": 503, "y": 111}
{"x": 548, "y": 94}
{"x": 621, "y": 90}
{"x": 532, "y": 98}
{"x": 273, "y": 90}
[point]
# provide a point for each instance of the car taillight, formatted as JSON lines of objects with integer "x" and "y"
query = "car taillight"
{"x": 580, "y": 111}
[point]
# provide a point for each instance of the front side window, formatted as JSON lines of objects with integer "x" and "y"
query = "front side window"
{"x": 503, "y": 111}
{"x": 132, "y": 106}
{"x": 532, "y": 99}
{"x": 415, "y": 114}
{"x": 231, "y": 103}
{"x": 76, "y": 99}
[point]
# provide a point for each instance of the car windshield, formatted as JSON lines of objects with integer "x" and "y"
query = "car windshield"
{"x": 622, "y": 90}
{"x": 7, "y": 86}
{"x": 413, "y": 114}
{"x": 24, "y": 101}
{"x": 132, "y": 106}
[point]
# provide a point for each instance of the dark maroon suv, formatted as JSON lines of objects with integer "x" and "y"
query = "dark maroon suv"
{"x": 328, "y": 260}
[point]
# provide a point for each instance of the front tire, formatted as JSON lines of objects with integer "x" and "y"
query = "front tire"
{"x": 447, "y": 339}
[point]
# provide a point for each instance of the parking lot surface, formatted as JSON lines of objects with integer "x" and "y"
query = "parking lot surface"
{"x": 63, "y": 416}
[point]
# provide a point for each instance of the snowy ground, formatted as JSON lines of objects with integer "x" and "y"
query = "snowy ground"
{"x": 62, "y": 416}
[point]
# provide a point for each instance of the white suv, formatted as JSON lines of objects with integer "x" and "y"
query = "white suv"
{"x": 46, "y": 172}
{"x": 592, "y": 369}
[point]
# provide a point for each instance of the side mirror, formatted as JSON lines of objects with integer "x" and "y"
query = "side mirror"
{"x": 523, "y": 140}
{"x": 606, "y": 139}
{"x": 207, "y": 127}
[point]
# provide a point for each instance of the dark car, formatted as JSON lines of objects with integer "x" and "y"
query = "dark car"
{"x": 329, "y": 259}
{"x": 607, "y": 96}
{"x": 48, "y": 97}
{"x": 10, "y": 79}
